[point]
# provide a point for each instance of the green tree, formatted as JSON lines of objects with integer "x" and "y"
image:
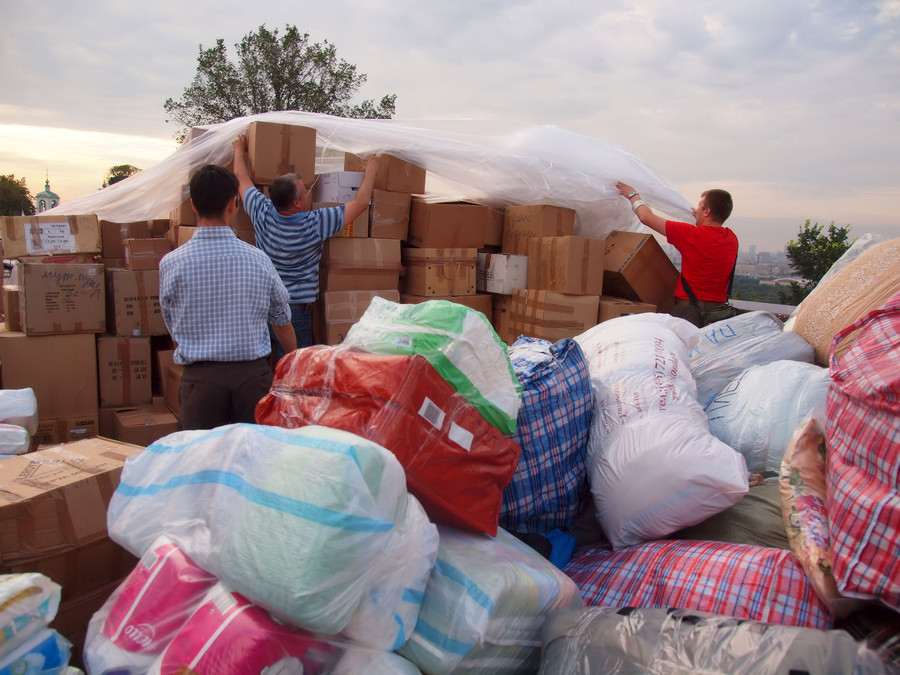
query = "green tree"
{"x": 119, "y": 172}
{"x": 812, "y": 255}
{"x": 15, "y": 197}
{"x": 272, "y": 73}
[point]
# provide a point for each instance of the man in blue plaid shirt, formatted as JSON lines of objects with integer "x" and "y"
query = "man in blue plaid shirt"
{"x": 218, "y": 295}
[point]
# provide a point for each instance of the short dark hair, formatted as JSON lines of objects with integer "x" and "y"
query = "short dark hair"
{"x": 212, "y": 188}
{"x": 719, "y": 204}
{"x": 283, "y": 191}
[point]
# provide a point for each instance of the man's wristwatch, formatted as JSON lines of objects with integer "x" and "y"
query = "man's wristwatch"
{"x": 633, "y": 194}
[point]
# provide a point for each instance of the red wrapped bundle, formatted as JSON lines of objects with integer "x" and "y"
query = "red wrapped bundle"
{"x": 456, "y": 463}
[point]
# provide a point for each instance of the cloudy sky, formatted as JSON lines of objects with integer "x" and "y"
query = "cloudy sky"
{"x": 792, "y": 105}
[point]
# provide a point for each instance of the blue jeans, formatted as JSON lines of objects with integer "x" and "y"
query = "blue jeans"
{"x": 301, "y": 320}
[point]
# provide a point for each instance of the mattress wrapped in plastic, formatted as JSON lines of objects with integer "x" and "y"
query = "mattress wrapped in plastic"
{"x": 553, "y": 426}
{"x": 313, "y": 524}
{"x": 456, "y": 463}
{"x": 484, "y": 606}
{"x": 653, "y": 466}
{"x": 458, "y": 341}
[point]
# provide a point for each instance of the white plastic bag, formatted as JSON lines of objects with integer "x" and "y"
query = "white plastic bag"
{"x": 28, "y": 602}
{"x": 14, "y": 440}
{"x": 19, "y": 406}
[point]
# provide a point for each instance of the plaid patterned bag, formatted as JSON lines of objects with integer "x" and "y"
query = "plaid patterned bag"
{"x": 552, "y": 428}
{"x": 863, "y": 439}
{"x": 748, "y": 582}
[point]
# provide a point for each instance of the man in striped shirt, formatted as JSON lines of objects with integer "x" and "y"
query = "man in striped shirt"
{"x": 292, "y": 235}
{"x": 218, "y": 295}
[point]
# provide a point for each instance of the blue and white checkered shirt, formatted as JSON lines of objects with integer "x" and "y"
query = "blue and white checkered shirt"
{"x": 217, "y": 295}
{"x": 294, "y": 243}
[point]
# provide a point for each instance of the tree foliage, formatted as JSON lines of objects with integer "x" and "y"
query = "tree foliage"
{"x": 272, "y": 73}
{"x": 119, "y": 172}
{"x": 15, "y": 197}
{"x": 812, "y": 254}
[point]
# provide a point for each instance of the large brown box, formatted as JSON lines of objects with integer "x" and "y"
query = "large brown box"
{"x": 394, "y": 174}
{"x": 636, "y": 268}
{"x": 438, "y": 271}
{"x": 389, "y": 215}
{"x": 113, "y": 234}
{"x": 481, "y": 302}
{"x": 342, "y": 309}
{"x": 572, "y": 265}
{"x": 144, "y": 424}
{"x": 523, "y": 223}
{"x": 49, "y": 235}
{"x": 123, "y": 370}
{"x": 145, "y": 254}
{"x": 61, "y": 369}
{"x": 500, "y": 318}
{"x": 133, "y": 303}
{"x": 55, "y": 499}
{"x": 351, "y": 264}
{"x": 358, "y": 227}
{"x": 275, "y": 149}
{"x": 61, "y": 298}
{"x": 612, "y": 308}
{"x": 172, "y": 374}
{"x": 182, "y": 214}
{"x": 552, "y": 316}
{"x": 12, "y": 316}
{"x": 437, "y": 223}
{"x": 66, "y": 430}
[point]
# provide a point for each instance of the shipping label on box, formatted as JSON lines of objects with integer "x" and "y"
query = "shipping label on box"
{"x": 113, "y": 234}
{"x": 439, "y": 271}
{"x": 275, "y": 149}
{"x": 612, "y": 308}
{"x": 437, "y": 223}
{"x": 49, "y": 235}
{"x": 552, "y": 316}
{"x": 145, "y": 254}
{"x": 523, "y": 223}
{"x": 389, "y": 215}
{"x": 636, "y": 268}
{"x": 571, "y": 265}
{"x": 360, "y": 264}
{"x": 394, "y": 174}
{"x": 133, "y": 303}
{"x": 501, "y": 273}
{"x": 123, "y": 370}
{"x": 55, "y": 299}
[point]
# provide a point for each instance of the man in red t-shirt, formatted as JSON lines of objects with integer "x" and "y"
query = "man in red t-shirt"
{"x": 708, "y": 252}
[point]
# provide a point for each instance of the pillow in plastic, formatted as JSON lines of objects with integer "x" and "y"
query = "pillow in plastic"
{"x": 313, "y": 524}
{"x": 653, "y": 466}
{"x": 758, "y": 412}
{"x": 457, "y": 340}
{"x": 484, "y": 606}
{"x": 552, "y": 429}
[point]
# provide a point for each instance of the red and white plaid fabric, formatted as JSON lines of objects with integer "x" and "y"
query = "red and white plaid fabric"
{"x": 748, "y": 582}
{"x": 862, "y": 433}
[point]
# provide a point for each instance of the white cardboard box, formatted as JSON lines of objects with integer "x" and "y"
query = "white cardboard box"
{"x": 337, "y": 186}
{"x": 501, "y": 272}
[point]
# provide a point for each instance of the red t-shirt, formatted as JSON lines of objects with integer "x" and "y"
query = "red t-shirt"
{"x": 708, "y": 255}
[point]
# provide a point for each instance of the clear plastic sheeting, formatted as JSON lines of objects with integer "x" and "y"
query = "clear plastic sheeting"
{"x": 496, "y": 163}
{"x": 628, "y": 640}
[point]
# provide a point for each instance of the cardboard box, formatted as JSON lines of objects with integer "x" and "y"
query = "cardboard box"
{"x": 523, "y": 223}
{"x": 360, "y": 264}
{"x": 500, "y": 318}
{"x": 636, "y": 268}
{"x": 55, "y": 500}
{"x": 342, "y": 309}
{"x": 144, "y": 424}
{"x": 276, "y": 149}
{"x": 480, "y": 302}
{"x": 358, "y": 227}
{"x": 12, "y": 315}
{"x": 113, "y": 234}
{"x": 493, "y": 233}
{"x": 337, "y": 186}
{"x": 61, "y": 369}
{"x": 133, "y": 303}
{"x": 501, "y": 272}
{"x": 571, "y": 265}
{"x": 389, "y": 215}
{"x": 49, "y": 235}
{"x": 66, "y": 430}
{"x": 123, "y": 370}
{"x": 552, "y": 316}
{"x": 437, "y": 223}
{"x": 183, "y": 214}
{"x": 65, "y": 298}
{"x": 438, "y": 271}
{"x": 612, "y": 308}
{"x": 172, "y": 373}
{"x": 394, "y": 174}
{"x": 145, "y": 254}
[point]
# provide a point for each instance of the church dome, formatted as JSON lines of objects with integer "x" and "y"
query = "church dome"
{"x": 46, "y": 199}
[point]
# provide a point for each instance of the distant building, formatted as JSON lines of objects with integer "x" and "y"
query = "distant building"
{"x": 46, "y": 200}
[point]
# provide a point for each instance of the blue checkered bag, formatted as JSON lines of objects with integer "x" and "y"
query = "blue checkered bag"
{"x": 552, "y": 428}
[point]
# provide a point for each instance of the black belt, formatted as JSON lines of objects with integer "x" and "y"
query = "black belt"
{"x": 303, "y": 306}
{"x": 702, "y": 304}
{"x": 227, "y": 363}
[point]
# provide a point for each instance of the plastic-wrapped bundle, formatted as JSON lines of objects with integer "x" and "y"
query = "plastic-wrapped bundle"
{"x": 458, "y": 341}
{"x": 484, "y": 606}
{"x": 727, "y": 348}
{"x": 14, "y": 440}
{"x": 633, "y": 640}
{"x": 28, "y": 602}
{"x": 757, "y": 413}
{"x": 653, "y": 466}
{"x": 44, "y": 652}
{"x": 456, "y": 463}
{"x": 552, "y": 429}
{"x": 313, "y": 524}
{"x": 19, "y": 407}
